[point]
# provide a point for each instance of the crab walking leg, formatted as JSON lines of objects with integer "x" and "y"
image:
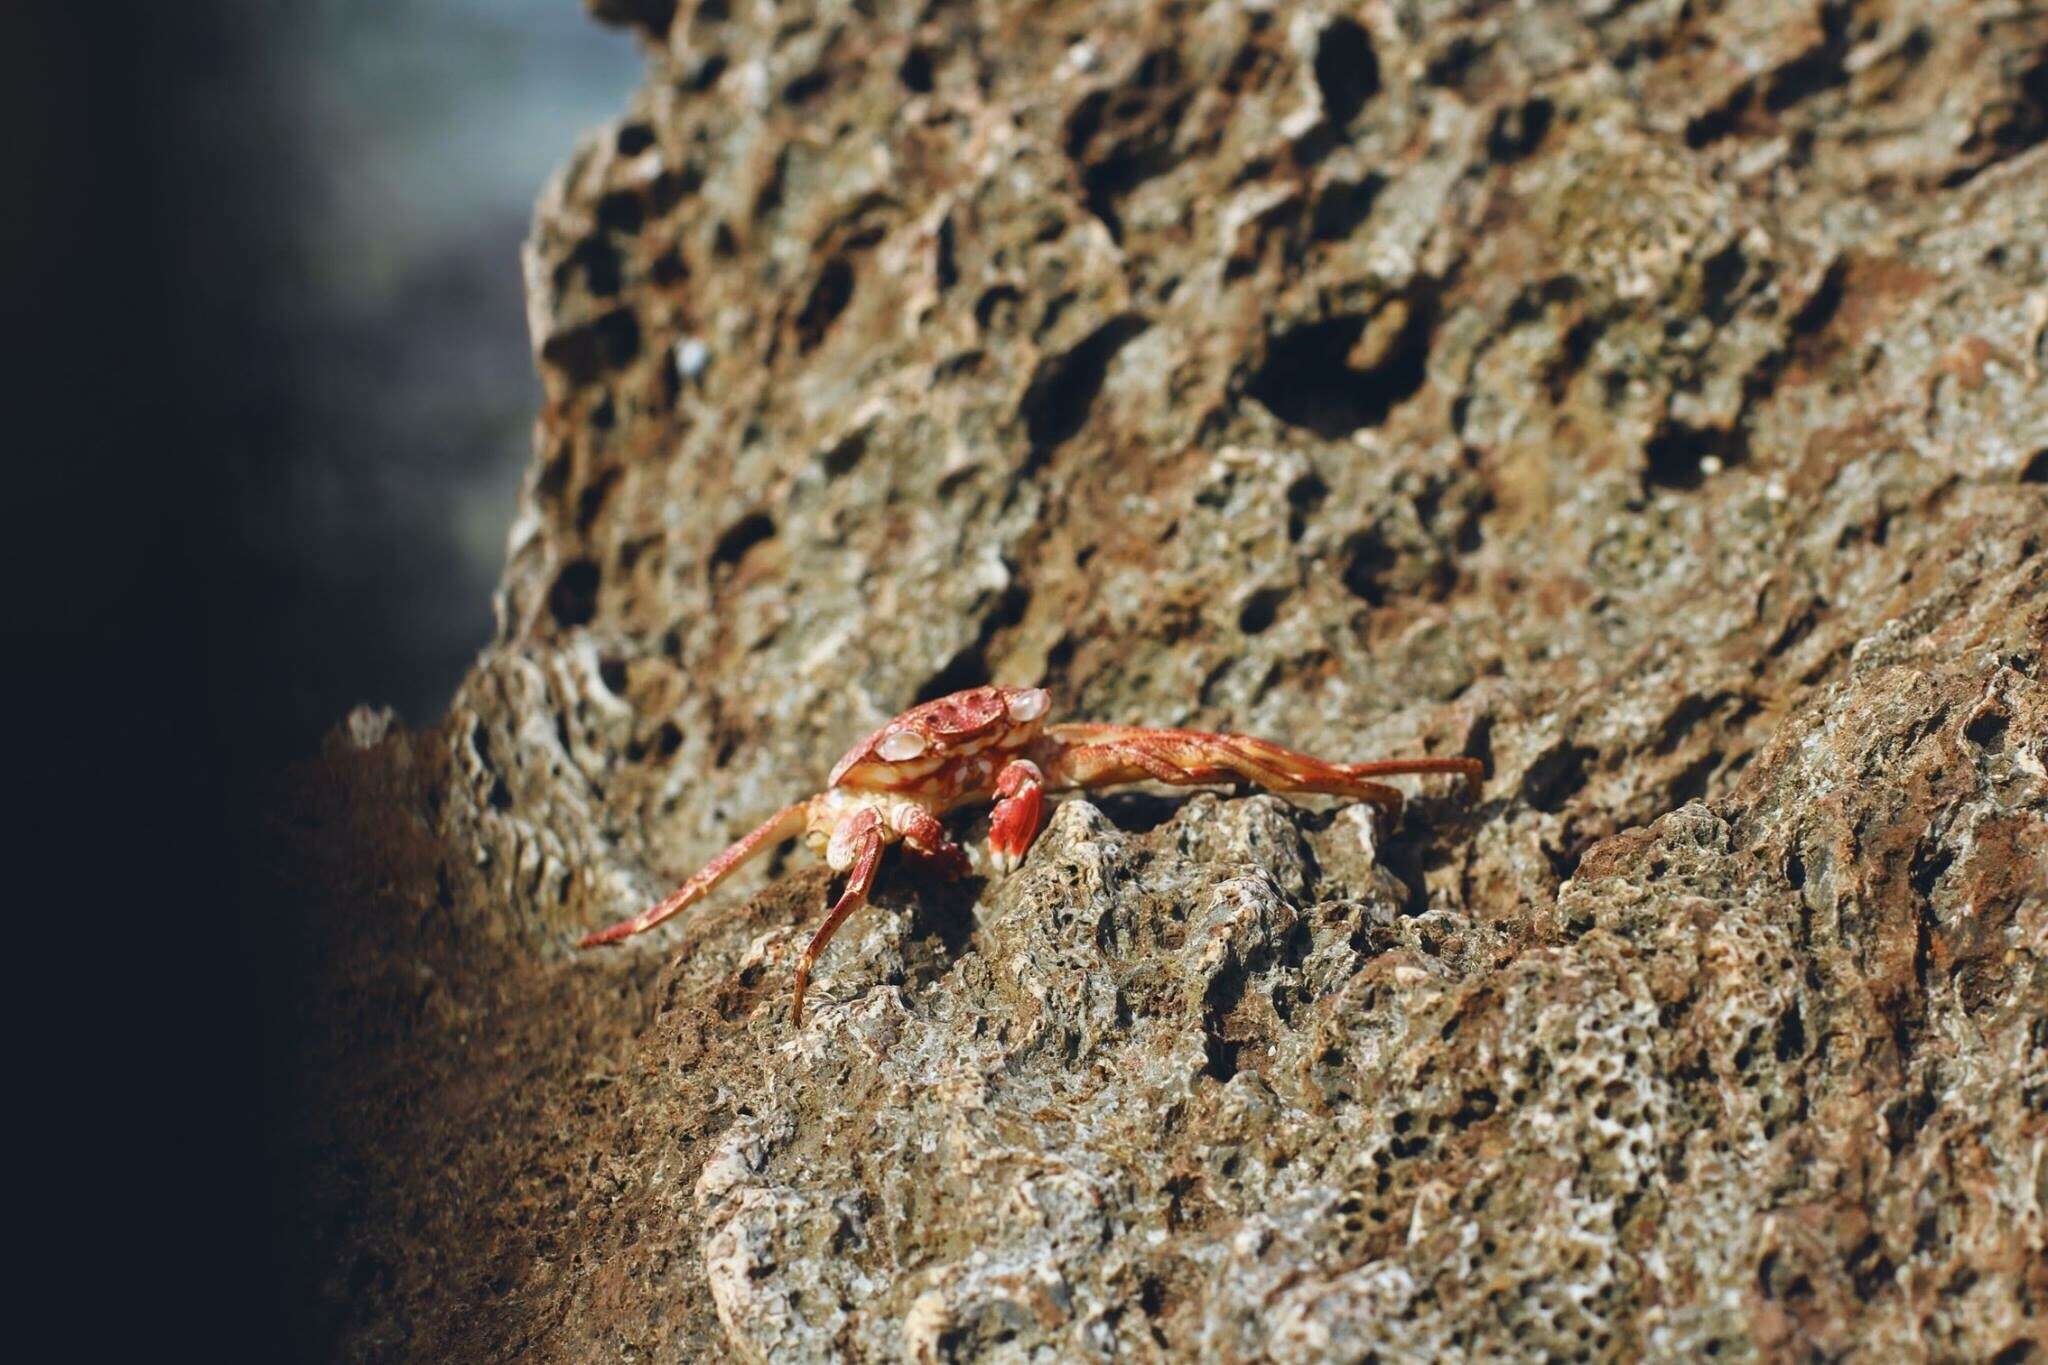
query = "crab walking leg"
{"x": 1101, "y": 755}
{"x": 860, "y": 840}
{"x": 1013, "y": 823}
{"x": 786, "y": 823}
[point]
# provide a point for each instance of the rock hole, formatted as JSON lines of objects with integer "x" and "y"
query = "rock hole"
{"x": 945, "y": 255}
{"x": 554, "y": 476}
{"x": 828, "y": 299}
{"x": 841, "y": 457}
{"x": 582, "y": 354}
{"x": 1159, "y": 67}
{"x": 1791, "y": 1040}
{"x": 706, "y": 75}
{"x": 1574, "y": 349}
{"x": 1368, "y": 559}
{"x": 621, "y": 212}
{"x": 634, "y": 139}
{"x": 1475, "y": 1106}
{"x": 1556, "y": 776}
{"x": 1304, "y": 496}
{"x": 997, "y": 307}
{"x": 1343, "y": 205}
{"x": 1064, "y": 387}
{"x": 1347, "y": 70}
{"x": 2036, "y": 468}
{"x": 806, "y": 87}
{"x": 668, "y": 270}
{"x": 1797, "y": 629}
{"x": 590, "y": 502}
{"x": 1691, "y": 782}
{"x": 1260, "y": 610}
{"x": 1084, "y": 122}
{"x": 742, "y": 536}
{"x": 670, "y": 188}
{"x": 1135, "y": 128}
{"x": 1903, "y": 1119}
{"x": 1928, "y": 867}
{"x": 1826, "y": 300}
{"x": 916, "y": 71}
{"x": 1519, "y": 129}
{"x": 1713, "y": 124}
{"x": 572, "y": 599}
{"x": 1690, "y": 710}
{"x": 1819, "y": 68}
{"x": 1680, "y": 456}
{"x": 1315, "y": 377}
{"x": 1447, "y": 66}
{"x": 1137, "y": 812}
{"x": 1870, "y": 1270}
{"x": 1987, "y": 728}
{"x": 1720, "y": 279}
{"x": 1307, "y": 493}
{"x": 599, "y": 262}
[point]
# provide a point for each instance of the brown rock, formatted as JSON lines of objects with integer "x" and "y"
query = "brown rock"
{"x": 1645, "y": 399}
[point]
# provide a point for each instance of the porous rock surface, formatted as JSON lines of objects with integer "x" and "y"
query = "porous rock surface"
{"x": 1646, "y": 398}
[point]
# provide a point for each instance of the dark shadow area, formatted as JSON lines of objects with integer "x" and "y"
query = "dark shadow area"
{"x": 273, "y": 397}
{"x": 1315, "y": 377}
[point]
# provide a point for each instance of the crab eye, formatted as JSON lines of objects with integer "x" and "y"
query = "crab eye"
{"x": 1027, "y": 705}
{"x": 901, "y": 746}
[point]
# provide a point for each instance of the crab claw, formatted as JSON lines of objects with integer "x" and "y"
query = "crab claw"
{"x": 1013, "y": 823}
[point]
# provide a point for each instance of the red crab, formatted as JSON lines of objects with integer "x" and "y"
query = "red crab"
{"x": 991, "y": 742}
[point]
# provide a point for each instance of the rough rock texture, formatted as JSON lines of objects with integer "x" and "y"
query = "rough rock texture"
{"x": 1647, "y": 398}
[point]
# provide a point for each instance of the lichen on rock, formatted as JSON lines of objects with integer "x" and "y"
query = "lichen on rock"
{"x": 1645, "y": 399}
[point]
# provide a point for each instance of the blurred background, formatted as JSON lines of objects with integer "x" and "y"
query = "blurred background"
{"x": 328, "y": 206}
{"x": 267, "y": 370}
{"x": 381, "y": 160}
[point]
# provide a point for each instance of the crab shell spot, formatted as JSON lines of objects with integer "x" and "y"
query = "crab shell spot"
{"x": 1027, "y": 704}
{"x": 901, "y": 746}
{"x": 963, "y": 713}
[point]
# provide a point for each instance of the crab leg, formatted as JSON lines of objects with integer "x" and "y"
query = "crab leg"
{"x": 925, "y": 837}
{"x": 1104, "y": 755}
{"x": 1013, "y": 824}
{"x": 860, "y": 842}
{"x": 786, "y": 823}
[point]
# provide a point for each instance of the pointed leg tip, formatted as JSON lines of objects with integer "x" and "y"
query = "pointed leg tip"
{"x": 801, "y": 986}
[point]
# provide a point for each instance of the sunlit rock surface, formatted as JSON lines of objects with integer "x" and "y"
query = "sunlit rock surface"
{"x": 1647, "y": 399}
